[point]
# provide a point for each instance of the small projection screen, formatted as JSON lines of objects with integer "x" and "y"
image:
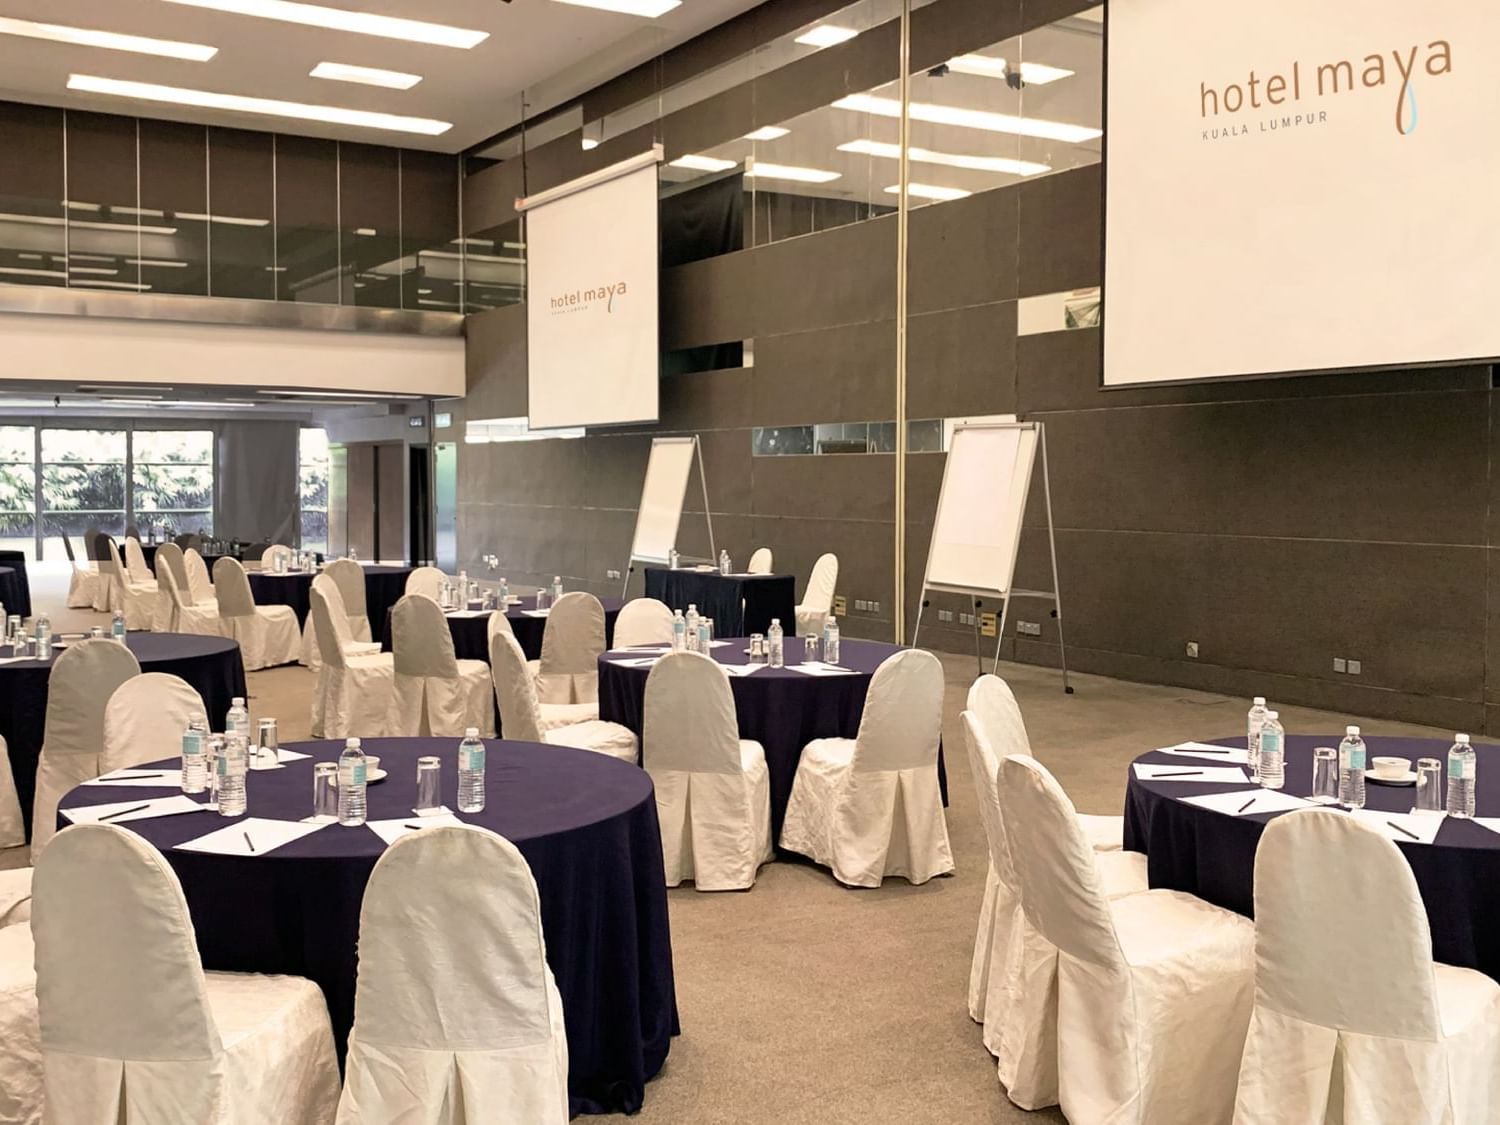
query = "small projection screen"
{"x": 1296, "y": 186}
{"x": 591, "y": 302}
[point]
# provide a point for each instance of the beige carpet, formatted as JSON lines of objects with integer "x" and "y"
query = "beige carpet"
{"x": 804, "y": 1003}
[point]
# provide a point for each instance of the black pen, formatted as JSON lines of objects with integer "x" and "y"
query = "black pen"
{"x": 122, "y": 812}
{"x": 1203, "y": 750}
{"x": 415, "y": 826}
{"x": 248, "y": 844}
{"x": 1180, "y": 773}
{"x": 1245, "y": 806}
{"x": 1403, "y": 831}
{"x": 130, "y": 777}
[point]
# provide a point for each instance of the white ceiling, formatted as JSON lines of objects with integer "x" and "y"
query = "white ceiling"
{"x": 551, "y": 50}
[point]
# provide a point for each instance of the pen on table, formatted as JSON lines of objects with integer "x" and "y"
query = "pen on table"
{"x": 122, "y": 812}
{"x": 1403, "y": 831}
{"x": 414, "y": 826}
{"x": 1179, "y": 773}
{"x": 1204, "y": 750}
{"x": 248, "y": 844}
{"x": 1245, "y": 806}
{"x": 132, "y": 777}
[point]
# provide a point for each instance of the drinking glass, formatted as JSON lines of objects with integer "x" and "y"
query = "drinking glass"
{"x": 810, "y": 649}
{"x": 95, "y": 631}
{"x": 326, "y": 792}
{"x": 267, "y": 747}
{"x": 544, "y": 598}
{"x": 1429, "y": 795}
{"x": 1325, "y": 779}
{"x": 757, "y": 646}
{"x": 429, "y": 785}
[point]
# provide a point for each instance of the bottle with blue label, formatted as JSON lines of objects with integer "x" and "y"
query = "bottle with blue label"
{"x": 43, "y": 637}
{"x": 1272, "y": 752}
{"x": 692, "y": 628}
{"x": 679, "y": 632}
{"x": 831, "y": 641}
{"x": 195, "y": 758}
{"x": 1463, "y": 769}
{"x": 352, "y": 784}
{"x": 1352, "y": 769}
{"x": 471, "y": 772}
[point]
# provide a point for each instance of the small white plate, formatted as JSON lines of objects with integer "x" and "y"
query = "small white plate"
{"x": 374, "y": 776}
{"x": 1407, "y": 778}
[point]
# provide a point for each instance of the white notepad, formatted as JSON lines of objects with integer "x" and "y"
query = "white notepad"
{"x": 636, "y": 661}
{"x": 741, "y": 669}
{"x": 535, "y": 612}
{"x": 467, "y": 613}
{"x": 392, "y": 830}
{"x": 1218, "y": 775}
{"x": 1205, "y": 751}
{"x": 141, "y": 777}
{"x": 251, "y": 835}
{"x": 1248, "y": 802}
{"x": 818, "y": 668}
{"x": 1404, "y": 828}
{"x": 145, "y": 809}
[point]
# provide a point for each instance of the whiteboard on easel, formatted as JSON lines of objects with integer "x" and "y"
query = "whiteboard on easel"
{"x": 977, "y": 532}
{"x": 662, "y": 497}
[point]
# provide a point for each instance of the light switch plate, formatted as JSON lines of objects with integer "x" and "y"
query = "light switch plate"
{"x": 1354, "y": 667}
{"x": 1340, "y": 664}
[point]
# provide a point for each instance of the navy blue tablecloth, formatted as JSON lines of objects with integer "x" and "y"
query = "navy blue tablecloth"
{"x": 384, "y": 586}
{"x": 586, "y": 824}
{"x": 1212, "y": 855}
{"x": 471, "y": 634}
{"x": 148, "y": 550}
{"x": 211, "y": 665}
{"x": 740, "y": 604}
{"x": 15, "y": 591}
{"x": 780, "y": 709}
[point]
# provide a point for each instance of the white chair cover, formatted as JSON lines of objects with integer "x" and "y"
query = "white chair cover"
{"x": 12, "y": 825}
{"x": 175, "y": 612}
{"x": 83, "y": 578}
{"x": 169, "y": 559}
{"x": 268, "y": 556}
{"x": 713, "y": 794}
{"x": 434, "y": 693}
{"x": 760, "y": 561}
{"x": 1353, "y": 1020}
{"x": 817, "y": 600}
{"x": 354, "y": 685}
{"x": 199, "y": 586}
{"x": 572, "y": 643}
{"x": 457, "y": 1020}
{"x": 643, "y": 621}
{"x": 357, "y": 633}
{"x": 15, "y": 898}
{"x": 134, "y": 1031}
{"x": 267, "y": 635}
{"x": 1153, "y": 989}
{"x": 523, "y": 719}
{"x": 145, "y": 718}
{"x": 498, "y": 623}
{"x": 20, "y": 1037}
{"x": 82, "y": 681}
{"x": 350, "y": 577}
{"x": 105, "y": 597}
{"x": 135, "y": 563}
{"x": 425, "y": 580}
{"x": 137, "y": 599}
{"x": 870, "y": 806}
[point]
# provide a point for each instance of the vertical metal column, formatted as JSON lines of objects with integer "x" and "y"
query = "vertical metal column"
{"x": 903, "y": 213}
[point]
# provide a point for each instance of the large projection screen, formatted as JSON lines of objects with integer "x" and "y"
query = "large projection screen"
{"x": 591, "y": 303}
{"x": 1296, "y": 186}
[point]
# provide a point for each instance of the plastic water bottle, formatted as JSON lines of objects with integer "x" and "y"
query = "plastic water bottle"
{"x": 723, "y": 561}
{"x": 237, "y": 721}
{"x": 1352, "y": 769}
{"x": 679, "y": 632}
{"x": 463, "y": 589}
{"x": 1272, "y": 752}
{"x": 1462, "y": 768}
{"x": 502, "y": 595}
{"x": 557, "y": 589}
{"x": 233, "y": 762}
{"x": 215, "y": 752}
{"x": 705, "y": 636}
{"x": 692, "y": 628}
{"x": 1253, "y": 722}
{"x": 352, "y": 784}
{"x": 775, "y": 656}
{"x": 44, "y": 637}
{"x": 471, "y": 772}
{"x": 831, "y": 641}
{"x": 194, "y": 758}
{"x": 117, "y": 626}
{"x": 673, "y": 558}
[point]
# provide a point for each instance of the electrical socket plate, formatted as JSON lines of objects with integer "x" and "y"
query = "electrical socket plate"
{"x": 874, "y": 607}
{"x": 840, "y": 606}
{"x": 1354, "y": 667}
{"x": 1029, "y": 628}
{"x": 1192, "y": 650}
{"x": 989, "y": 625}
{"x": 1340, "y": 664}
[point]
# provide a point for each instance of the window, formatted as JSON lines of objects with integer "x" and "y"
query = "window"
{"x": 172, "y": 480}
{"x": 83, "y": 481}
{"x": 313, "y": 489}
{"x": 18, "y": 489}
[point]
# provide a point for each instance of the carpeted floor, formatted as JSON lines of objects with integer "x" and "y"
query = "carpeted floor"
{"x": 804, "y": 1003}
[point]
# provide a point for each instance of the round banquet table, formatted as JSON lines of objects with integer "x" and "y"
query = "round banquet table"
{"x": 384, "y": 586}
{"x": 211, "y": 665}
{"x": 16, "y": 561}
{"x": 470, "y": 628}
{"x": 13, "y": 593}
{"x": 781, "y": 709}
{"x": 587, "y": 826}
{"x": 1212, "y": 854}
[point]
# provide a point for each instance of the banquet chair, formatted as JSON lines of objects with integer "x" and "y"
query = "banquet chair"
{"x": 354, "y": 677}
{"x": 133, "y": 1031}
{"x": 870, "y": 806}
{"x": 135, "y": 563}
{"x": 760, "y": 561}
{"x": 268, "y": 556}
{"x": 136, "y": 599}
{"x": 12, "y": 825}
{"x": 498, "y": 623}
{"x": 349, "y": 578}
{"x": 83, "y": 581}
{"x": 524, "y": 719}
{"x": 572, "y": 642}
{"x": 817, "y": 599}
{"x": 1012, "y": 979}
{"x": 643, "y": 621}
{"x": 145, "y": 717}
{"x": 1353, "y": 1021}
{"x": 267, "y": 635}
{"x": 1153, "y": 989}
{"x": 457, "y": 1018}
{"x": 200, "y": 588}
{"x": 175, "y": 613}
{"x": 95, "y": 544}
{"x": 132, "y": 532}
{"x": 713, "y": 792}
{"x": 433, "y": 692}
{"x": 425, "y": 580}
{"x": 15, "y": 898}
{"x": 20, "y": 1035}
{"x": 189, "y": 541}
{"x": 83, "y": 678}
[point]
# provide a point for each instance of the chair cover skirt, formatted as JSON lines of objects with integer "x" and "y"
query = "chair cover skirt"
{"x": 83, "y": 588}
{"x": 354, "y": 698}
{"x": 715, "y": 827}
{"x": 20, "y": 1037}
{"x": 431, "y": 705}
{"x": 12, "y": 826}
{"x": 597, "y": 735}
{"x": 267, "y": 638}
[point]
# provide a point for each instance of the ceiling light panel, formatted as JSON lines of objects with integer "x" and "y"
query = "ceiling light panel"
{"x": 1002, "y": 164}
{"x": 365, "y": 75}
{"x": 650, "y": 9}
{"x": 826, "y": 35}
{"x": 340, "y": 19}
{"x": 766, "y": 171}
{"x": 767, "y": 133}
{"x": 88, "y": 37}
{"x": 699, "y": 163}
{"x": 986, "y": 66}
{"x": 265, "y": 107}
{"x": 971, "y": 118}
{"x": 930, "y": 191}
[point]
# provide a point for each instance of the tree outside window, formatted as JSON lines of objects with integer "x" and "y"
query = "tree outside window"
{"x": 18, "y": 489}
{"x": 313, "y": 488}
{"x": 83, "y": 482}
{"x": 172, "y": 481}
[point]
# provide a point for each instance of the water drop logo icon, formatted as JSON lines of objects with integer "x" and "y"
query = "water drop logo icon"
{"x": 1406, "y": 110}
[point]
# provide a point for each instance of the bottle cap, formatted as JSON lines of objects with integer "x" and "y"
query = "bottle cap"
{"x": 351, "y": 744}
{"x": 1461, "y": 738}
{"x": 692, "y": 607}
{"x": 1259, "y": 701}
{"x": 471, "y": 732}
{"x": 775, "y": 621}
{"x": 237, "y": 701}
{"x": 1352, "y": 732}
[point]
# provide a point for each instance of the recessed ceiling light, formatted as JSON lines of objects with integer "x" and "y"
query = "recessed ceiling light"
{"x": 767, "y": 133}
{"x": 228, "y": 220}
{"x": 340, "y": 19}
{"x": 366, "y": 232}
{"x": 589, "y": 143}
{"x": 702, "y": 163}
{"x": 930, "y": 191}
{"x": 948, "y": 159}
{"x": 102, "y": 271}
{"x": 87, "y": 37}
{"x": 986, "y": 66}
{"x": 20, "y": 271}
{"x": 268, "y": 107}
{"x": 365, "y": 75}
{"x": 81, "y": 224}
{"x": 135, "y": 286}
{"x": 826, "y": 35}
{"x": 172, "y": 263}
{"x": 765, "y": 171}
{"x": 648, "y": 8}
{"x": 77, "y": 205}
{"x": 971, "y": 118}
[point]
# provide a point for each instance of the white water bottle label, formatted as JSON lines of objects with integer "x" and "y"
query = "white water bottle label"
{"x": 353, "y": 775}
{"x": 473, "y": 758}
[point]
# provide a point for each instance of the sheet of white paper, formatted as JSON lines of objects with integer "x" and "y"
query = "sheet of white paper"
{"x": 285, "y": 756}
{"x": 140, "y": 810}
{"x": 12, "y": 659}
{"x": 392, "y": 830}
{"x": 742, "y": 669}
{"x": 637, "y": 661}
{"x": 468, "y": 613}
{"x": 817, "y": 668}
{"x": 1220, "y": 775}
{"x": 250, "y": 835}
{"x": 638, "y": 650}
{"x": 717, "y": 644}
{"x": 1420, "y": 828}
{"x": 535, "y": 612}
{"x": 1490, "y": 822}
{"x": 1248, "y": 802}
{"x": 1207, "y": 751}
{"x": 142, "y": 778}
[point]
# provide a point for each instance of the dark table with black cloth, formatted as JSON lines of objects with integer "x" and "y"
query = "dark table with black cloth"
{"x": 1212, "y": 854}
{"x": 211, "y": 665}
{"x": 149, "y": 551}
{"x": 740, "y": 604}
{"x": 17, "y": 587}
{"x": 471, "y": 630}
{"x": 780, "y": 709}
{"x": 587, "y": 826}
{"x": 384, "y": 586}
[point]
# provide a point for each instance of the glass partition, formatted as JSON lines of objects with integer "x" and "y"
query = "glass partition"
{"x": 172, "y": 474}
